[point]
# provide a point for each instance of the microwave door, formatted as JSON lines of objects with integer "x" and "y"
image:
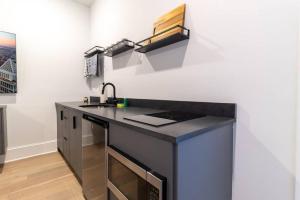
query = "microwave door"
{"x": 127, "y": 180}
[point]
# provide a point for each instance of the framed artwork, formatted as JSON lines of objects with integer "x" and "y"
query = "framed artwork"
{"x": 8, "y": 63}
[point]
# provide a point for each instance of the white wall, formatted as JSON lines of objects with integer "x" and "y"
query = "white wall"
{"x": 297, "y": 155}
{"x": 240, "y": 51}
{"x": 51, "y": 38}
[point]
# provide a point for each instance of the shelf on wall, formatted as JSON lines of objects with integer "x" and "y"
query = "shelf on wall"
{"x": 147, "y": 45}
{"x": 93, "y": 51}
{"x": 118, "y": 48}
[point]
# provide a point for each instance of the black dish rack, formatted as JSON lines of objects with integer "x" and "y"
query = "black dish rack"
{"x": 174, "y": 38}
{"x": 95, "y": 50}
{"x": 120, "y": 47}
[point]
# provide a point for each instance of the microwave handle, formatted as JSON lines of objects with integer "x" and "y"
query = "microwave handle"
{"x": 158, "y": 183}
{"x": 116, "y": 191}
{"x": 141, "y": 172}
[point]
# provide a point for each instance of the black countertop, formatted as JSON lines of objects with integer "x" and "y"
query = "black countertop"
{"x": 174, "y": 133}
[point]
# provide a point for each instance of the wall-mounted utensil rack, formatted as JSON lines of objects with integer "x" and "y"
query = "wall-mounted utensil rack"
{"x": 147, "y": 45}
{"x": 93, "y": 51}
{"x": 119, "y": 47}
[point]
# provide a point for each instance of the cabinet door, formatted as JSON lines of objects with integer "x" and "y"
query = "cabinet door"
{"x": 60, "y": 118}
{"x": 75, "y": 144}
{"x": 66, "y": 133}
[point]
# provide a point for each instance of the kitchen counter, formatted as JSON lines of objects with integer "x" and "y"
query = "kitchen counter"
{"x": 173, "y": 151}
{"x": 173, "y": 133}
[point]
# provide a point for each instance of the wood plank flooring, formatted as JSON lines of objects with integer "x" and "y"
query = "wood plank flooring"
{"x": 45, "y": 177}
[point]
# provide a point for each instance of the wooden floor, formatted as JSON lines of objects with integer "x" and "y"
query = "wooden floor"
{"x": 45, "y": 177}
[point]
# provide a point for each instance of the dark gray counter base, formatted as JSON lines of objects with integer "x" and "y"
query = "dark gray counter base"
{"x": 195, "y": 156}
{"x": 197, "y": 168}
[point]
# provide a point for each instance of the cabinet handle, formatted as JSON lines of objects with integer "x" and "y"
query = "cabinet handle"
{"x": 74, "y": 122}
{"x": 61, "y": 115}
{"x": 66, "y": 139}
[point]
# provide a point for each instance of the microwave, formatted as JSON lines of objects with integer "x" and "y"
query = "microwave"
{"x": 128, "y": 179}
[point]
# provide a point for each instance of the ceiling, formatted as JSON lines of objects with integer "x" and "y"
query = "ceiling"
{"x": 85, "y": 2}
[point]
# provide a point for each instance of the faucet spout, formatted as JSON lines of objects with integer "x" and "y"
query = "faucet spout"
{"x": 114, "y": 89}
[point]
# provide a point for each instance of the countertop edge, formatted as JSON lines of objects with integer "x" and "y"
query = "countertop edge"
{"x": 204, "y": 130}
{"x": 174, "y": 140}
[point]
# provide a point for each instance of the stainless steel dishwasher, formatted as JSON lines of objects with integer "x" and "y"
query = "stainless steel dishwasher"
{"x": 94, "y": 141}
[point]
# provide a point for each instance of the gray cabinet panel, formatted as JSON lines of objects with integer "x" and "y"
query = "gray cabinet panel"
{"x": 66, "y": 133}
{"x": 75, "y": 144}
{"x": 198, "y": 168}
{"x": 3, "y": 134}
{"x": 204, "y": 166}
{"x": 59, "y": 116}
{"x": 69, "y": 137}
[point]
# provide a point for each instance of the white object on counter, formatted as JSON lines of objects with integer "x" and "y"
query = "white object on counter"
{"x": 103, "y": 97}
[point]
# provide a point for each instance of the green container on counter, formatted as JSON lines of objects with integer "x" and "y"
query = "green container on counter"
{"x": 125, "y": 102}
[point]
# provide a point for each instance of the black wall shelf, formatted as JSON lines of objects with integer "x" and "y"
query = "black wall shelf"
{"x": 118, "y": 48}
{"x": 174, "y": 38}
{"x": 93, "y": 51}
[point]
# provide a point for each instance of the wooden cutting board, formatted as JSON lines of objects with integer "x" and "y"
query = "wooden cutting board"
{"x": 169, "y": 20}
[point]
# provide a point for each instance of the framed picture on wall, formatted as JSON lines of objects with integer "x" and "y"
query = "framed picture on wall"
{"x": 8, "y": 63}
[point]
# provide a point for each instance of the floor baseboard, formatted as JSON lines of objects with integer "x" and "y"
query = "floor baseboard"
{"x": 26, "y": 151}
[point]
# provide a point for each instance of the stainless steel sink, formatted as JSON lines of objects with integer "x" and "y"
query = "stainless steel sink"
{"x": 97, "y": 105}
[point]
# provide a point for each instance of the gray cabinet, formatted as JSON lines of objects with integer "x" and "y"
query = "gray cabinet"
{"x": 197, "y": 168}
{"x": 3, "y": 134}
{"x": 63, "y": 131}
{"x": 75, "y": 139}
{"x": 60, "y": 122}
{"x": 66, "y": 126}
{"x": 69, "y": 137}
